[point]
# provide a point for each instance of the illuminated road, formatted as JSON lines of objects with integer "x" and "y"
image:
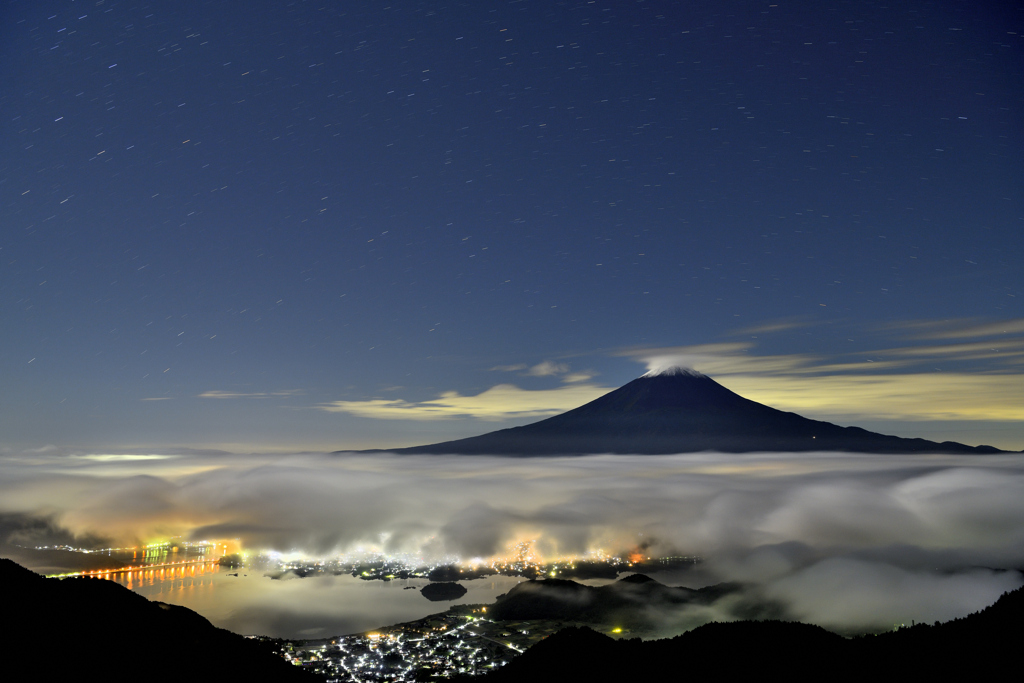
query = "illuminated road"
{"x": 106, "y": 573}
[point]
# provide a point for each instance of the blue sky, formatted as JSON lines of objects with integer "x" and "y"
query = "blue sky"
{"x": 324, "y": 226}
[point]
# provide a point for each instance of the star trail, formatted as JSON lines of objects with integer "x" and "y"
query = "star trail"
{"x": 265, "y": 228}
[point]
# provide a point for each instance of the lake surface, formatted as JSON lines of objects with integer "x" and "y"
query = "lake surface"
{"x": 252, "y": 603}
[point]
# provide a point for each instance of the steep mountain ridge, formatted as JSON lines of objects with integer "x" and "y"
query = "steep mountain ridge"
{"x": 680, "y": 411}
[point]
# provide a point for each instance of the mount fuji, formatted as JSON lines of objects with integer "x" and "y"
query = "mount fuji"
{"x": 681, "y": 411}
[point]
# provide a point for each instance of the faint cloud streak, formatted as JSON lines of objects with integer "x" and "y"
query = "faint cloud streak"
{"x": 934, "y": 396}
{"x": 501, "y": 402}
{"x": 547, "y": 369}
{"x": 961, "y": 328}
{"x": 983, "y": 383}
{"x": 776, "y": 326}
{"x": 241, "y": 394}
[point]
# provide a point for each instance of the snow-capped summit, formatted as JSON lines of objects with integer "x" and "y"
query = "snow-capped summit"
{"x": 672, "y": 371}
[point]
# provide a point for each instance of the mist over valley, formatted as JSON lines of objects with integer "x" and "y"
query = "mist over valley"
{"x": 850, "y": 542}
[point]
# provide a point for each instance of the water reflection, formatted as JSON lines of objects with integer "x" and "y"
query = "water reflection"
{"x": 166, "y": 578}
{"x": 250, "y": 602}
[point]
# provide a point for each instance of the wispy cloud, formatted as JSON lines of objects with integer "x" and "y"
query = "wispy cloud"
{"x": 583, "y": 376}
{"x": 244, "y": 394}
{"x": 509, "y": 368}
{"x": 975, "y": 380}
{"x": 123, "y": 457}
{"x": 1003, "y": 348}
{"x": 740, "y": 358}
{"x": 717, "y": 359}
{"x": 979, "y": 380}
{"x": 918, "y": 396}
{"x": 547, "y": 369}
{"x": 501, "y": 402}
{"x": 775, "y": 326}
{"x": 960, "y": 328}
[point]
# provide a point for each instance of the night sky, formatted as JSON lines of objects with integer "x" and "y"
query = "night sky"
{"x": 303, "y": 225}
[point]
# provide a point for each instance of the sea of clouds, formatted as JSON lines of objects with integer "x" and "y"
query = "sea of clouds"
{"x": 851, "y": 542}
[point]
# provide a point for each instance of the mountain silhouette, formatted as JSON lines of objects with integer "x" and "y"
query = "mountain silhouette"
{"x": 78, "y": 628}
{"x": 980, "y": 646}
{"x": 681, "y": 411}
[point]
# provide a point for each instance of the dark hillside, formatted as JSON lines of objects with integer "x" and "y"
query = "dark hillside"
{"x": 56, "y": 629}
{"x": 982, "y": 646}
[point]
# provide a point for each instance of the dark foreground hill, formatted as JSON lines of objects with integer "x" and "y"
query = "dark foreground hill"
{"x": 682, "y": 411}
{"x": 982, "y": 646}
{"x": 79, "y": 629}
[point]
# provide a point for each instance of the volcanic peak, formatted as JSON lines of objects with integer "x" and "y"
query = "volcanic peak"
{"x": 679, "y": 410}
{"x": 673, "y": 371}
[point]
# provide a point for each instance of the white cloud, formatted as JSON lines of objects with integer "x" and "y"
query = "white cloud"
{"x": 242, "y": 394}
{"x": 878, "y": 384}
{"x": 853, "y": 541}
{"x": 123, "y": 457}
{"x": 509, "y": 368}
{"x": 501, "y": 402}
{"x": 938, "y": 396}
{"x": 582, "y": 376}
{"x": 961, "y": 328}
{"x": 547, "y": 369}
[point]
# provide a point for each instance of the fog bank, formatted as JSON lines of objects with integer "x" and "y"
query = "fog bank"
{"x": 846, "y": 541}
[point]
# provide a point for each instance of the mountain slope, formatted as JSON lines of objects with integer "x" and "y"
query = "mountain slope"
{"x": 61, "y": 628}
{"x": 981, "y": 646}
{"x": 680, "y": 411}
